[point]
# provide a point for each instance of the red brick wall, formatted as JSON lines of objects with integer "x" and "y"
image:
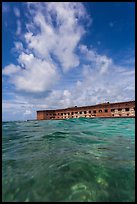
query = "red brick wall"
{"x": 40, "y": 115}
{"x": 57, "y": 114}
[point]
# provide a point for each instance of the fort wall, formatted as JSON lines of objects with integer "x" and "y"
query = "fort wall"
{"x": 120, "y": 109}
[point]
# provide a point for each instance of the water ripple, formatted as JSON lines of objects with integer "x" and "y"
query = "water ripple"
{"x": 69, "y": 160}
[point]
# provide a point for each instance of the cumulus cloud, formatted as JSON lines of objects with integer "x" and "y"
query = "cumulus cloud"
{"x": 52, "y": 38}
{"x": 11, "y": 69}
{"x": 117, "y": 84}
{"x": 102, "y": 80}
{"x": 37, "y": 76}
{"x": 60, "y": 32}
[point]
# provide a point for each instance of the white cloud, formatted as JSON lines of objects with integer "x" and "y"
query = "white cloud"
{"x": 16, "y": 12}
{"x": 55, "y": 41}
{"x": 102, "y": 80}
{"x": 18, "y": 32}
{"x": 17, "y": 110}
{"x": 66, "y": 93}
{"x": 38, "y": 75}
{"x": 18, "y": 46}
{"x": 101, "y": 62}
{"x": 117, "y": 84}
{"x": 11, "y": 69}
{"x": 60, "y": 34}
{"x": 27, "y": 112}
{"x": 110, "y": 86}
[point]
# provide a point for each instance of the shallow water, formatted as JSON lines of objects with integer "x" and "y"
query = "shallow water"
{"x": 69, "y": 160}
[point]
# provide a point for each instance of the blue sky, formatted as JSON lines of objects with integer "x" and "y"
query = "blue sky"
{"x": 60, "y": 54}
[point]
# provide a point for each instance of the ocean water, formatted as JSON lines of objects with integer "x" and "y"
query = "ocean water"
{"x": 69, "y": 160}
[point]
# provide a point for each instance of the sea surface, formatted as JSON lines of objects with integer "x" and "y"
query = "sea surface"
{"x": 69, "y": 160}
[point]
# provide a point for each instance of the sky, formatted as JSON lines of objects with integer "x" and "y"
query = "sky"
{"x": 65, "y": 54}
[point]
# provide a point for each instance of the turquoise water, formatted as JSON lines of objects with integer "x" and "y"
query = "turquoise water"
{"x": 69, "y": 160}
